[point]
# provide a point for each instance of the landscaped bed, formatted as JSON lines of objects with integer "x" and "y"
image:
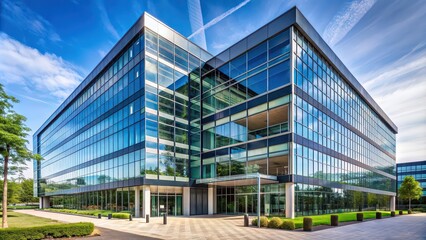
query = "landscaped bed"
{"x": 104, "y": 213}
{"x": 23, "y": 226}
{"x": 317, "y": 220}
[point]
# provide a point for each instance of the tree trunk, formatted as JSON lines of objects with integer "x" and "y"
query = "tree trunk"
{"x": 4, "y": 203}
{"x": 409, "y": 204}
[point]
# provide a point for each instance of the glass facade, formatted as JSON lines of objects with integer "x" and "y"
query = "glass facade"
{"x": 162, "y": 113}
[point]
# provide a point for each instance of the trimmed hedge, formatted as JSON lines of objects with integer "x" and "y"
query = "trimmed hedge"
{"x": 48, "y": 231}
{"x": 263, "y": 222}
{"x": 307, "y": 224}
{"x": 121, "y": 215}
{"x": 275, "y": 222}
{"x": 334, "y": 220}
{"x": 360, "y": 217}
{"x": 288, "y": 225}
{"x": 409, "y": 211}
{"x": 104, "y": 213}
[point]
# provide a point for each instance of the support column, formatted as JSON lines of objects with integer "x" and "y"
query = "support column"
{"x": 210, "y": 200}
{"x": 44, "y": 202}
{"x": 146, "y": 209}
{"x": 40, "y": 202}
{"x": 392, "y": 203}
{"x": 137, "y": 202}
{"x": 214, "y": 200}
{"x": 186, "y": 201}
{"x": 258, "y": 200}
{"x": 289, "y": 200}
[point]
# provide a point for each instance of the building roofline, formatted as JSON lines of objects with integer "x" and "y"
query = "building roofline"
{"x": 285, "y": 20}
{"x": 303, "y": 24}
{"x": 411, "y": 163}
{"x": 145, "y": 20}
{"x": 294, "y": 17}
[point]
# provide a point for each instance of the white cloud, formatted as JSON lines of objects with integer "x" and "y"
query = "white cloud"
{"x": 44, "y": 74}
{"x": 343, "y": 22}
{"x": 17, "y": 14}
{"x": 196, "y": 23}
{"x": 400, "y": 89}
{"x": 106, "y": 21}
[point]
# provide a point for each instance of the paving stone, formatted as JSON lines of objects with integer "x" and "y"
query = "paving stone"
{"x": 405, "y": 227}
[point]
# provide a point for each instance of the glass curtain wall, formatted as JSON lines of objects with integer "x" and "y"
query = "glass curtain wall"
{"x": 99, "y": 138}
{"x": 167, "y": 103}
{"x": 338, "y": 136}
{"x": 242, "y": 84}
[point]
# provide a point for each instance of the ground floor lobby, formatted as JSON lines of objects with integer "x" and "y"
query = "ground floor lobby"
{"x": 285, "y": 199}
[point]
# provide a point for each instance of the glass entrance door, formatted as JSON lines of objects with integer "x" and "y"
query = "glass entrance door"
{"x": 162, "y": 204}
{"x": 171, "y": 208}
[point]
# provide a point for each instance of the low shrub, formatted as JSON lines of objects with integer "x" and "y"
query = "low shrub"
{"x": 393, "y": 214}
{"x": 263, "y": 221}
{"x": 378, "y": 215}
{"x": 275, "y": 222}
{"x": 287, "y": 225}
{"x": 307, "y": 224}
{"x": 334, "y": 220}
{"x": 104, "y": 213}
{"x": 121, "y": 215}
{"x": 48, "y": 231}
{"x": 409, "y": 211}
{"x": 401, "y": 212}
{"x": 360, "y": 217}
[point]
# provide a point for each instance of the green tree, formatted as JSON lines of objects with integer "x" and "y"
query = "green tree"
{"x": 410, "y": 189}
{"x": 13, "y": 191}
{"x": 26, "y": 194}
{"x": 13, "y": 132}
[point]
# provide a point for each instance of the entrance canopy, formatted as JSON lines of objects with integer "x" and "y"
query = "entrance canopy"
{"x": 239, "y": 180}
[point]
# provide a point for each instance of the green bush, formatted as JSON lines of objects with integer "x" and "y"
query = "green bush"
{"x": 378, "y": 215}
{"x": 288, "y": 225}
{"x": 95, "y": 213}
{"x": 121, "y": 215}
{"x": 409, "y": 211}
{"x": 48, "y": 231}
{"x": 275, "y": 222}
{"x": 263, "y": 221}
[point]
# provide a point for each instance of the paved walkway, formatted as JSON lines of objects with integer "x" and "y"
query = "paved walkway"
{"x": 230, "y": 227}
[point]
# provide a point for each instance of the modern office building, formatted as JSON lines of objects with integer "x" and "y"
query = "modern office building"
{"x": 275, "y": 123}
{"x": 418, "y": 171}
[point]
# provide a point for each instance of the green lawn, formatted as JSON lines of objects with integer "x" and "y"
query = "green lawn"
{"x": 343, "y": 217}
{"x": 17, "y": 219}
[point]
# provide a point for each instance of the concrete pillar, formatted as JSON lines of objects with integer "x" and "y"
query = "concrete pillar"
{"x": 392, "y": 203}
{"x": 289, "y": 200}
{"x": 146, "y": 207}
{"x": 44, "y": 202}
{"x": 40, "y": 202}
{"x": 186, "y": 201}
{"x": 137, "y": 202}
{"x": 210, "y": 200}
{"x": 214, "y": 200}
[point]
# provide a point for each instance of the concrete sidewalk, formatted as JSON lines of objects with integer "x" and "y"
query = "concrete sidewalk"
{"x": 231, "y": 227}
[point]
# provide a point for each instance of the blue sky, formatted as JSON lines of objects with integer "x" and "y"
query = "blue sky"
{"x": 48, "y": 47}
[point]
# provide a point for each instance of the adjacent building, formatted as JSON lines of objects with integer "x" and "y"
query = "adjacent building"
{"x": 418, "y": 171}
{"x": 275, "y": 123}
